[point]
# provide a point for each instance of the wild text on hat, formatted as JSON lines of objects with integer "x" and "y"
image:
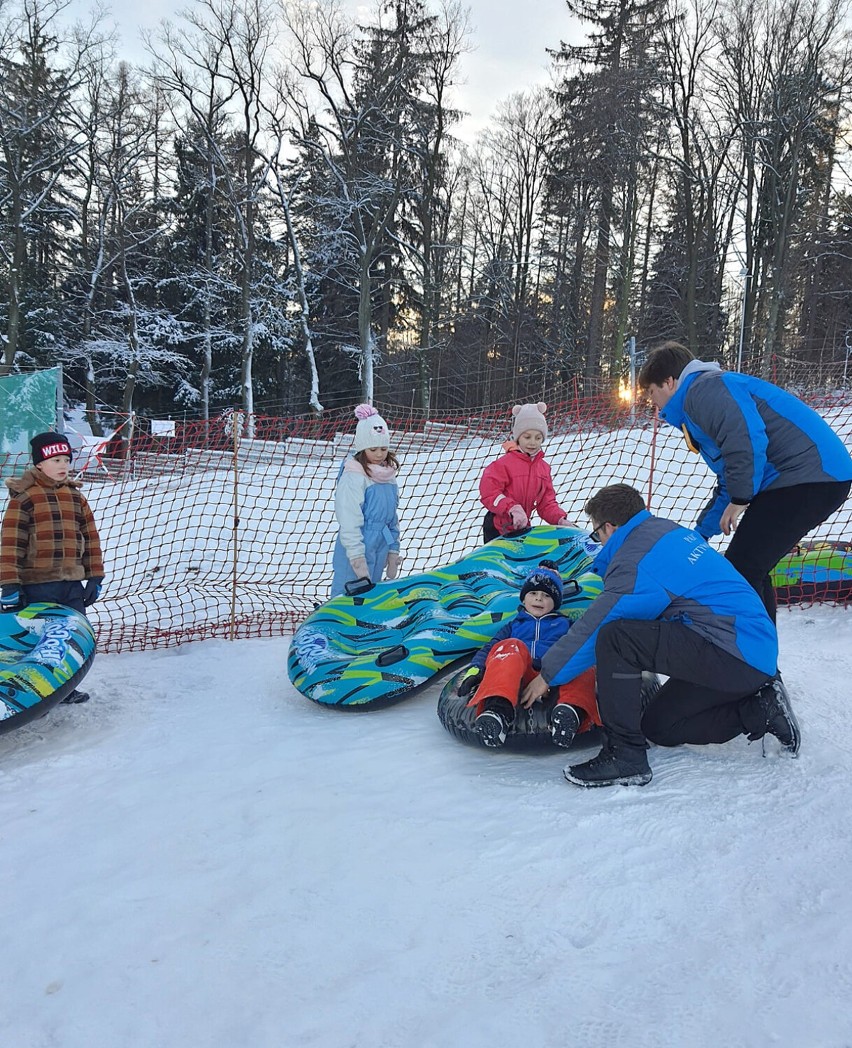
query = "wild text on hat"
{"x": 49, "y": 450}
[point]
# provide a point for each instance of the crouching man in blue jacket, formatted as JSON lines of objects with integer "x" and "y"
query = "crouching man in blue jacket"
{"x": 671, "y": 604}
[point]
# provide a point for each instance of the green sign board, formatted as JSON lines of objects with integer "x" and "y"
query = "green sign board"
{"x": 29, "y": 404}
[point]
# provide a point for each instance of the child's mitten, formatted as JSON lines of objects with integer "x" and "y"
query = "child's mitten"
{"x": 392, "y": 566}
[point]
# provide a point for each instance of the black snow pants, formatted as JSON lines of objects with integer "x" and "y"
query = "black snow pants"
{"x": 489, "y": 532}
{"x": 68, "y": 593}
{"x": 772, "y": 525}
{"x": 710, "y": 696}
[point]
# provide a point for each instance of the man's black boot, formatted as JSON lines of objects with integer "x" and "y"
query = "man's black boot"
{"x": 615, "y": 765}
{"x": 778, "y": 717}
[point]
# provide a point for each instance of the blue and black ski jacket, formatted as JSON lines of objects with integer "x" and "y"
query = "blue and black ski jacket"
{"x": 753, "y": 435}
{"x": 655, "y": 569}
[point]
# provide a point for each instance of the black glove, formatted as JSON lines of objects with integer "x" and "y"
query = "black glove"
{"x": 470, "y": 680}
{"x": 11, "y": 598}
{"x": 92, "y": 590}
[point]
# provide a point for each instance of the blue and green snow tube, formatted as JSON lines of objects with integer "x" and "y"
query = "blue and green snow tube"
{"x": 45, "y": 651}
{"x": 813, "y": 571}
{"x": 371, "y": 650}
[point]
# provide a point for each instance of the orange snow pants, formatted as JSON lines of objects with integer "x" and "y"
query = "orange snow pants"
{"x": 509, "y": 668}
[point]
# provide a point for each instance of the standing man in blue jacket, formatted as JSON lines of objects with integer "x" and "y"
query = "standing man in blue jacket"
{"x": 670, "y": 604}
{"x": 779, "y": 466}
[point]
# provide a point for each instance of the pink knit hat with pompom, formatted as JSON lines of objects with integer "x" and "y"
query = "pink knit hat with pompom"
{"x": 372, "y": 430}
{"x": 529, "y": 416}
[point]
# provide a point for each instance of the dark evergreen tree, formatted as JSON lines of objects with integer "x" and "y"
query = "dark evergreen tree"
{"x": 37, "y": 147}
{"x": 664, "y": 316}
{"x": 605, "y": 100}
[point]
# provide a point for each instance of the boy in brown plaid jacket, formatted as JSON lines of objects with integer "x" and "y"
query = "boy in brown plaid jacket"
{"x": 49, "y": 543}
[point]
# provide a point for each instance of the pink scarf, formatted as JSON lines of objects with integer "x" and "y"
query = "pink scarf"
{"x": 383, "y": 473}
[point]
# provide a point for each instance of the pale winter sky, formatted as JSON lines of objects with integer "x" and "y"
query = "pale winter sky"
{"x": 509, "y": 38}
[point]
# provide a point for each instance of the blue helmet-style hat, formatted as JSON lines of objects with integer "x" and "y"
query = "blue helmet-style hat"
{"x": 547, "y": 579}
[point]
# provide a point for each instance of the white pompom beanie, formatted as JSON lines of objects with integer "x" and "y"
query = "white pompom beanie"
{"x": 371, "y": 431}
{"x": 529, "y": 416}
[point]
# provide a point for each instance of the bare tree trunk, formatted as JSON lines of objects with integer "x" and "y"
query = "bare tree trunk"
{"x": 304, "y": 306}
{"x": 13, "y": 323}
{"x": 207, "y": 308}
{"x": 132, "y": 337}
{"x": 600, "y": 280}
{"x": 365, "y": 329}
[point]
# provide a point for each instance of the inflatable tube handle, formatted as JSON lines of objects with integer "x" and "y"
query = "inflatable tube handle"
{"x": 517, "y": 534}
{"x": 359, "y": 586}
{"x": 392, "y": 655}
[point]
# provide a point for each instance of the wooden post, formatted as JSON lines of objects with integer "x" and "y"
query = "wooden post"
{"x": 653, "y": 457}
{"x": 235, "y": 419}
{"x": 577, "y": 412}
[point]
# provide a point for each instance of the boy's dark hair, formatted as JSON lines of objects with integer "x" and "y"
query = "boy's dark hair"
{"x": 665, "y": 361}
{"x": 615, "y": 504}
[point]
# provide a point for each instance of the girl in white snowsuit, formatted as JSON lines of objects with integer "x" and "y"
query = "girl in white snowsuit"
{"x": 365, "y": 503}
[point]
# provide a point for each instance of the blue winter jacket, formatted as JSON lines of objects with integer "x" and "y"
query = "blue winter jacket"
{"x": 753, "y": 435}
{"x": 655, "y": 569}
{"x": 537, "y": 634}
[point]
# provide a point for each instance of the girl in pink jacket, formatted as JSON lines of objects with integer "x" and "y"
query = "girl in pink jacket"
{"x": 519, "y": 481}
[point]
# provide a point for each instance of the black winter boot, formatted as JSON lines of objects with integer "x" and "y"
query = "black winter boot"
{"x": 492, "y": 724}
{"x": 564, "y": 722}
{"x": 614, "y": 766}
{"x": 76, "y": 697}
{"x": 778, "y": 716}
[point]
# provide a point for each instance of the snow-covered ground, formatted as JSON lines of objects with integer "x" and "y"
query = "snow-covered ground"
{"x": 201, "y": 858}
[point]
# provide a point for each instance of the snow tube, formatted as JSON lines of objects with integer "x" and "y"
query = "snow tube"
{"x": 531, "y": 729}
{"x": 374, "y": 649}
{"x": 815, "y": 571}
{"x": 45, "y": 651}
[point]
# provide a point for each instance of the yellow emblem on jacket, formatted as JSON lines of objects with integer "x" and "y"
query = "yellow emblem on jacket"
{"x": 687, "y": 436}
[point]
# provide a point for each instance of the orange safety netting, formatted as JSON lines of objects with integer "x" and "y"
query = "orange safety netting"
{"x": 226, "y": 528}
